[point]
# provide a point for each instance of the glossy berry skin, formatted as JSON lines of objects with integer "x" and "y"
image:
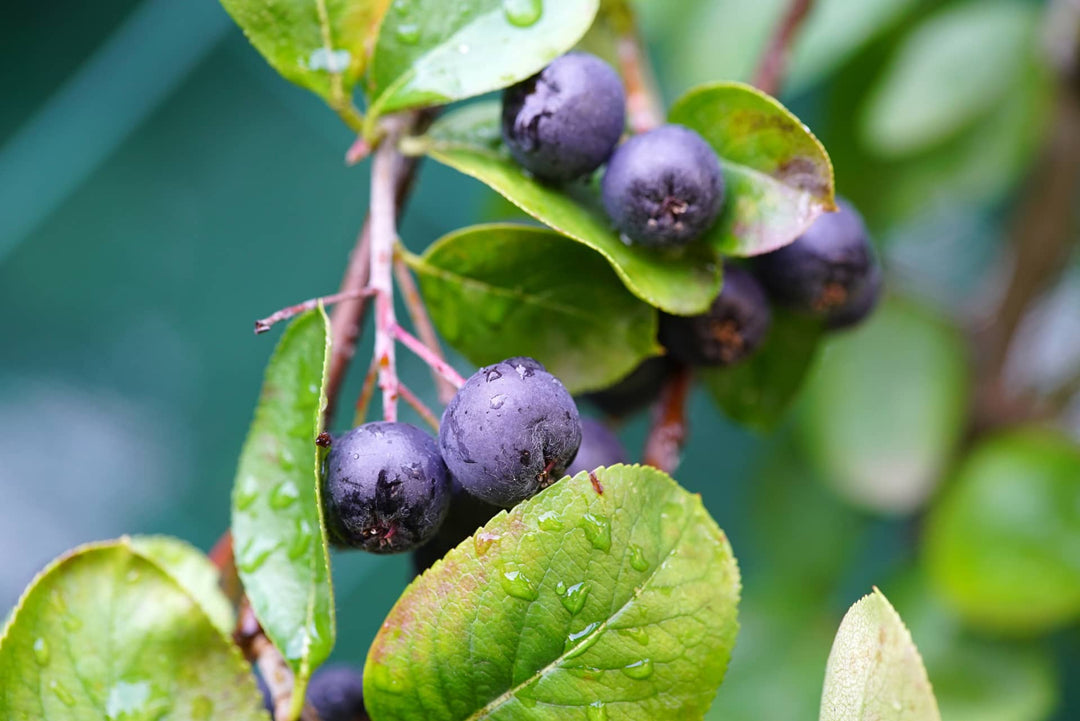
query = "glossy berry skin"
{"x": 824, "y": 267}
{"x": 467, "y": 513}
{"x": 637, "y": 390}
{"x": 564, "y": 121}
{"x": 386, "y": 488}
{"x": 509, "y": 432}
{"x": 860, "y": 304}
{"x": 733, "y": 327}
{"x": 599, "y": 447}
{"x": 663, "y": 188}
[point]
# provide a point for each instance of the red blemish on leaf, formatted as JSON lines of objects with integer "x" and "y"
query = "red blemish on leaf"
{"x": 596, "y": 484}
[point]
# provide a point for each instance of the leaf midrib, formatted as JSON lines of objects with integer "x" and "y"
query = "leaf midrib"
{"x": 510, "y": 693}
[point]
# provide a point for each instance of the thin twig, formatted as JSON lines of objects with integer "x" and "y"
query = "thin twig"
{"x": 366, "y": 392}
{"x": 437, "y": 364}
{"x": 643, "y": 107}
{"x": 418, "y": 405}
{"x": 265, "y": 324}
{"x": 773, "y": 66}
{"x": 258, "y": 650}
{"x": 422, "y": 322}
{"x": 663, "y": 447}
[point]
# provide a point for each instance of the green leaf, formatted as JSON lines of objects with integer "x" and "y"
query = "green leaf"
{"x": 496, "y": 291}
{"x": 885, "y": 408}
{"x": 104, "y": 633}
{"x": 1004, "y": 542}
{"x": 758, "y": 391}
{"x": 874, "y": 671}
{"x": 193, "y": 571}
{"x": 469, "y": 141}
{"x": 277, "y": 523}
{"x": 574, "y": 604}
{"x": 779, "y": 177}
{"x": 322, "y": 45}
{"x": 431, "y": 52}
{"x": 943, "y": 78}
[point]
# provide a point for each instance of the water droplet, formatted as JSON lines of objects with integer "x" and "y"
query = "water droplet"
{"x": 301, "y": 540}
{"x": 284, "y": 495}
{"x": 332, "y": 61}
{"x": 246, "y": 493}
{"x": 408, "y": 33}
{"x": 637, "y": 633}
{"x": 62, "y": 693}
{"x": 639, "y": 670}
{"x": 135, "y": 701}
{"x": 560, "y": 588}
{"x": 133, "y": 575}
{"x": 526, "y": 701}
{"x": 71, "y": 623}
{"x": 41, "y": 651}
{"x": 672, "y": 511}
{"x": 549, "y": 521}
{"x": 463, "y": 49}
{"x": 597, "y": 530}
{"x": 637, "y": 558}
{"x": 483, "y": 541}
{"x": 581, "y": 641}
{"x": 573, "y": 600}
{"x": 202, "y": 708}
{"x": 523, "y": 13}
{"x": 286, "y": 460}
{"x": 497, "y": 401}
{"x": 516, "y": 584}
{"x": 254, "y": 554}
{"x": 596, "y": 711}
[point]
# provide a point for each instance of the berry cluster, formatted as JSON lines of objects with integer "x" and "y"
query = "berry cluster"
{"x": 663, "y": 189}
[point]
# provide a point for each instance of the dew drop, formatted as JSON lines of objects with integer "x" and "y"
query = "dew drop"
{"x": 483, "y": 540}
{"x": 497, "y": 401}
{"x": 331, "y": 61}
{"x": 516, "y": 584}
{"x": 597, "y": 530}
{"x": 202, "y": 708}
{"x": 284, "y": 495}
{"x": 62, "y": 693}
{"x": 301, "y": 540}
{"x": 596, "y": 711}
{"x": 581, "y": 641}
{"x": 286, "y": 460}
{"x": 253, "y": 555}
{"x": 637, "y": 633}
{"x": 637, "y": 558}
{"x": 463, "y": 49}
{"x": 639, "y": 670}
{"x": 408, "y": 33}
{"x": 573, "y": 600}
{"x": 246, "y": 493}
{"x": 560, "y": 588}
{"x": 71, "y": 623}
{"x": 549, "y": 521}
{"x": 523, "y": 13}
{"x": 41, "y": 651}
{"x": 526, "y": 701}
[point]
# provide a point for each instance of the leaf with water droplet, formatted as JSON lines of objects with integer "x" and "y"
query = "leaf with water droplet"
{"x": 430, "y": 52}
{"x": 496, "y": 291}
{"x": 580, "y": 627}
{"x": 873, "y": 665}
{"x": 167, "y": 659}
{"x": 280, "y": 539}
{"x": 322, "y": 46}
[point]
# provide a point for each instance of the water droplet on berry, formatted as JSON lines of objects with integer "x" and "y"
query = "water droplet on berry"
{"x": 523, "y": 13}
{"x": 284, "y": 495}
{"x": 597, "y": 530}
{"x": 62, "y": 693}
{"x": 549, "y": 521}
{"x": 408, "y": 33}
{"x": 516, "y": 584}
{"x": 639, "y": 670}
{"x": 637, "y": 558}
{"x": 573, "y": 599}
{"x": 596, "y": 711}
{"x": 497, "y": 401}
{"x": 41, "y": 651}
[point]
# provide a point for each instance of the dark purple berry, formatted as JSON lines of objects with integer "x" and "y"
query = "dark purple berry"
{"x": 599, "y": 447}
{"x": 337, "y": 694}
{"x": 823, "y": 268}
{"x": 386, "y": 488}
{"x": 663, "y": 188}
{"x": 467, "y": 513}
{"x": 733, "y": 327}
{"x": 564, "y": 121}
{"x": 862, "y": 302}
{"x": 637, "y": 390}
{"x": 510, "y": 431}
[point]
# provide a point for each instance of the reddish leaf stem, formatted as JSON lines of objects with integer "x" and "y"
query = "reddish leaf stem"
{"x": 669, "y": 431}
{"x": 265, "y": 324}
{"x": 773, "y": 66}
{"x": 258, "y": 650}
{"x": 422, "y": 322}
{"x": 437, "y": 364}
{"x": 643, "y": 108}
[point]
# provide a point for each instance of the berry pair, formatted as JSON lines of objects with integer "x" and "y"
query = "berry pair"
{"x": 662, "y": 188}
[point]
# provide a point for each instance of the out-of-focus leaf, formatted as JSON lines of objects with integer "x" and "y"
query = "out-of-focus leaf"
{"x": 874, "y": 671}
{"x": 758, "y": 391}
{"x": 1003, "y": 546}
{"x": 105, "y": 633}
{"x": 956, "y": 67}
{"x": 430, "y": 52}
{"x": 497, "y": 291}
{"x": 322, "y": 45}
{"x": 886, "y": 406}
{"x": 277, "y": 524}
{"x": 612, "y": 605}
{"x": 778, "y": 176}
{"x": 469, "y": 141}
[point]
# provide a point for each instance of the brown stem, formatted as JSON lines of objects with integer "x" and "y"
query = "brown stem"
{"x": 260, "y": 652}
{"x": 643, "y": 108}
{"x": 773, "y": 65}
{"x": 669, "y": 430}
{"x": 264, "y": 324}
{"x": 422, "y": 322}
